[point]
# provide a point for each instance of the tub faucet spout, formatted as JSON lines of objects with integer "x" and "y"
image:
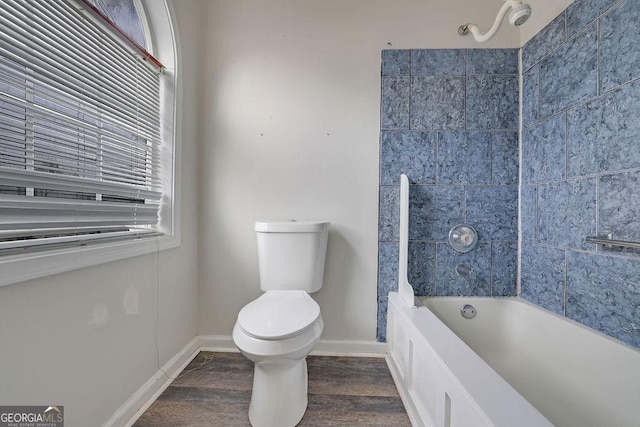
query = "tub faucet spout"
{"x": 465, "y": 271}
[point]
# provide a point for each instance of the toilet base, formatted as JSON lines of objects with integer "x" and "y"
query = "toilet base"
{"x": 279, "y": 396}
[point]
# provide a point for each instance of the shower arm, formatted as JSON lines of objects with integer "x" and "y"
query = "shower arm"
{"x": 481, "y": 38}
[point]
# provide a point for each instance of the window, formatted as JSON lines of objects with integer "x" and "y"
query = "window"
{"x": 124, "y": 14}
{"x": 84, "y": 159}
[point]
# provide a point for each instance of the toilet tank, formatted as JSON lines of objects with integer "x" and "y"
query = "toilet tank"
{"x": 291, "y": 254}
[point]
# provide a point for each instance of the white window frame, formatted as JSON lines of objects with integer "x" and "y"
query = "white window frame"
{"x": 161, "y": 26}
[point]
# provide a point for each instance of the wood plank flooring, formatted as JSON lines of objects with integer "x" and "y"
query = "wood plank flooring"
{"x": 343, "y": 391}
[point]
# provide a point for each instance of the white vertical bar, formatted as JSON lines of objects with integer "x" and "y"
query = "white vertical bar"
{"x": 404, "y": 288}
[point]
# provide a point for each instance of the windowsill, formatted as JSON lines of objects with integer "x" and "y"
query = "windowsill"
{"x": 20, "y": 268}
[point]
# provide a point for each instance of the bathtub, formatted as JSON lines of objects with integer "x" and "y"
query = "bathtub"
{"x": 513, "y": 364}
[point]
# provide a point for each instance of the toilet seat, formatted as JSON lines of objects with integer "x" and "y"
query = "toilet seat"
{"x": 277, "y": 315}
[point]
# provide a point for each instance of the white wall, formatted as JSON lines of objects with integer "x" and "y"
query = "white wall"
{"x": 88, "y": 339}
{"x": 289, "y": 121}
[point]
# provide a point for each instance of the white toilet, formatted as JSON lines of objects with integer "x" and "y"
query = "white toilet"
{"x": 279, "y": 329}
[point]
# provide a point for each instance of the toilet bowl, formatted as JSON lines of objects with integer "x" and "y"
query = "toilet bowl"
{"x": 280, "y": 328}
{"x": 279, "y": 348}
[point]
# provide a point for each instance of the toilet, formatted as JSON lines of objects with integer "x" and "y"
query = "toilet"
{"x": 279, "y": 329}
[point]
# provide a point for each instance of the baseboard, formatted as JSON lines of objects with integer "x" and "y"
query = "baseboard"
{"x": 349, "y": 348}
{"x": 135, "y": 406}
{"x": 217, "y": 343}
{"x": 323, "y": 348}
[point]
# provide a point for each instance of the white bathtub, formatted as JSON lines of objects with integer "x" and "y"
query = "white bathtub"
{"x": 565, "y": 374}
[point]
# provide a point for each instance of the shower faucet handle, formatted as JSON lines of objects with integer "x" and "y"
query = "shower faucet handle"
{"x": 463, "y": 238}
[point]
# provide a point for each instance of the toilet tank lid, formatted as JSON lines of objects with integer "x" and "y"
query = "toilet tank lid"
{"x": 292, "y": 226}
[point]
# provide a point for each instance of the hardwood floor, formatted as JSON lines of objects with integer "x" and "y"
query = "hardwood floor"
{"x": 343, "y": 391}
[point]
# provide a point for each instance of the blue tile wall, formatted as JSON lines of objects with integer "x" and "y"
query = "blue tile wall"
{"x": 434, "y": 210}
{"x": 493, "y": 211}
{"x": 453, "y": 132}
{"x": 581, "y": 166}
{"x": 437, "y": 62}
{"x": 493, "y": 61}
{"x": 395, "y": 62}
{"x": 566, "y": 213}
{"x": 504, "y": 269}
{"x": 422, "y": 267}
{"x": 383, "y": 303}
{"x": 492, "y": 102}
{"x": 621, "y": 219}
{"x": 569, "y": 75}
{"x": 543, "y": 276}
{"x": 437, "y": 102}
{"x": 449, "y": 120}
{"x": 543, "y": 150}
{"x": 603, "y": 134}
{"x": 411, "y": 152}
{"x": 603, "y": 293}
{"x": 528, "y": 213}
{"x": 582, "y": 13}
{"x": 619, "y": 46}
{"x": 504, "y": 158}
{"x": 464, "y": 158}
{"x": 395, "y": 102}
{"x": 530, "y": 85}
{"x": 387, "y": 268}
{"x": 466, "y": 274}
{"x": 389, "y": 219}
{"x": 545, "y": 42}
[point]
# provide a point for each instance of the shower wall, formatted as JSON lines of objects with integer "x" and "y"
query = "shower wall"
{"x": 449, "y": 122}
{"x": 581, "y": 166}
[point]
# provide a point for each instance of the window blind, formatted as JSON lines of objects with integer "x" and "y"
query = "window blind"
{"x": 79, "y": 130}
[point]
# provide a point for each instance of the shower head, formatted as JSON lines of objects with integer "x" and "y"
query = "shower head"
{"x": 520, "y": 13}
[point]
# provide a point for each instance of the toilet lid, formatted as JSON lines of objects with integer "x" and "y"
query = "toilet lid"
{"x": 279, "y": 314}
